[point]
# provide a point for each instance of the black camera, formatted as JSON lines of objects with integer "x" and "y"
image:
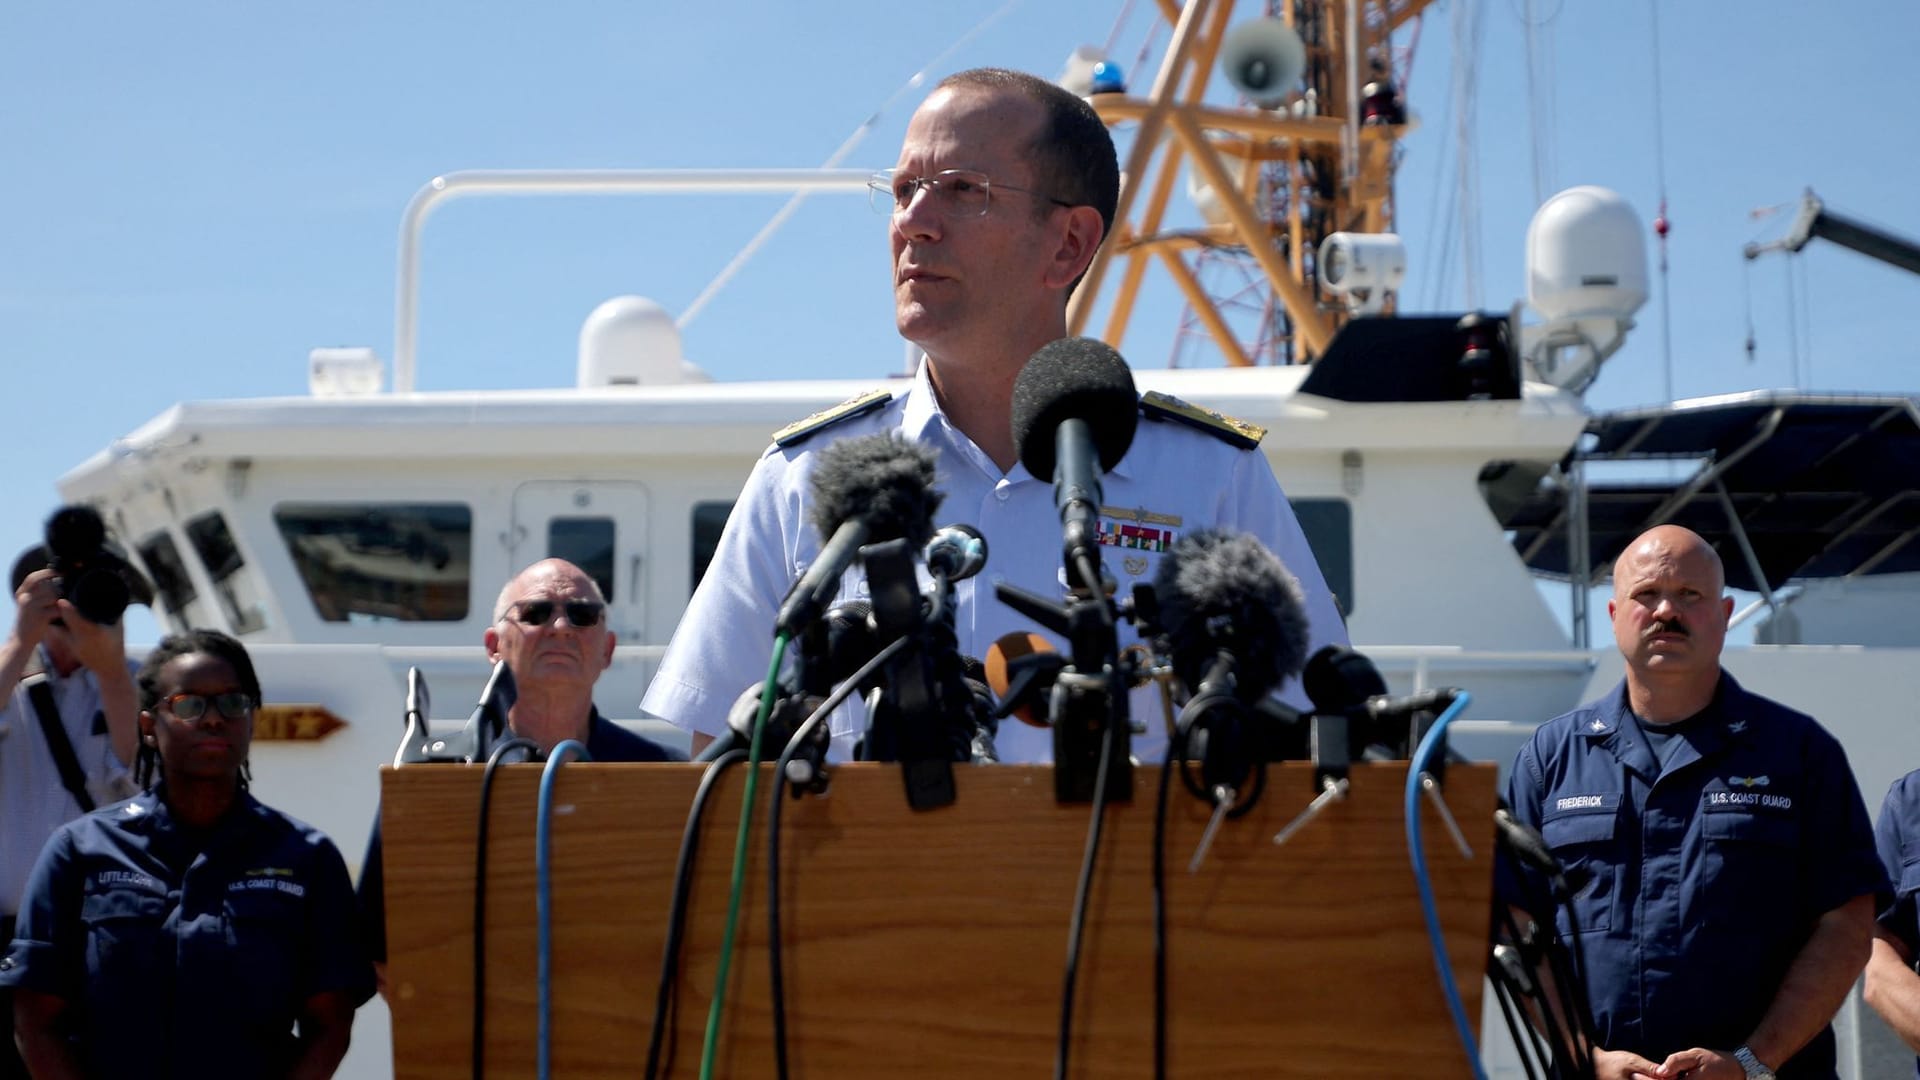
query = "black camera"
{"x": 93, "y": 578}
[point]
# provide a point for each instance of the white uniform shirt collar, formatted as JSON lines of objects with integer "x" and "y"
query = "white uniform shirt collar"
{"x": 923, "y": 421}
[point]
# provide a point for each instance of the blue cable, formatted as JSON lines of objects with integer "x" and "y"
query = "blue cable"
{"x": 1429, "y": 747}
{"x": 543, "y": 894}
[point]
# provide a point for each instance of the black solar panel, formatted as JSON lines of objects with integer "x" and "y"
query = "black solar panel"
{"x": 1824, "y": 486}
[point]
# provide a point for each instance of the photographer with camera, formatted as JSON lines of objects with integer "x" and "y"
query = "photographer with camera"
{"x": 69, "y": 724}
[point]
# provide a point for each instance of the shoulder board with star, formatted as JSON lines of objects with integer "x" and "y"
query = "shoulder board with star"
{"x": 799, "y": 430}
{"x": 1159, "y": 406}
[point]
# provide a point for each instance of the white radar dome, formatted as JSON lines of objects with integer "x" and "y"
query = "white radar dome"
{"x": 631, "y": 341}
{"x": 1586, "y": 256}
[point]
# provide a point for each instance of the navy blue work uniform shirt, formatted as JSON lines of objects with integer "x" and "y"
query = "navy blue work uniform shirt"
{"x": 187, "y": 952}
{"x": 1703, "y": 880}
{"x": 1896, "y": 833}
{"x": 606, "y": 742}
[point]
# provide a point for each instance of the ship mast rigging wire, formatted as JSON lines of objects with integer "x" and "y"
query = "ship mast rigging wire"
{"x": 1467, "y": 23}
{"x": 1660, "y": 223}
{"x": 860, "y": 133}
{"x": 1541, "y": 108}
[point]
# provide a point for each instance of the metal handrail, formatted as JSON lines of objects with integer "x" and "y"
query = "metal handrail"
{"x": 574, "y": 182}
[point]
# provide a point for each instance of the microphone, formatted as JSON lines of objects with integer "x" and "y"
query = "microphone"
{"x": 983, "y": 724}
{"x": 739, "y": 734}
{"x": 956, "y": 552}
{"x": 1343, "y": 682}
{"x": 833, "y": 648}
{"x": 1231, "y": 611}
{"x": 1020, "y": 669}
{"x": 1236, "y": 628}
{"x": 1531, "y": 849}
{"x": 489, "y": 717}
{"x": 1074, "y": 414}
{"x": 1338, "y": 679}
{"x": 413, "y": 740}
{"x": 1435, "y": 700}
{"x": 872, "y": 488}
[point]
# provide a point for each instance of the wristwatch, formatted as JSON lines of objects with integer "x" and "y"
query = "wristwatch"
{"x": 1755, "y": 1069}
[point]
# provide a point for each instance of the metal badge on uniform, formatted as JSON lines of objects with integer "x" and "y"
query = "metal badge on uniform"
{"x": 1137, "y": 530}
{"x": 1749, "y": 792}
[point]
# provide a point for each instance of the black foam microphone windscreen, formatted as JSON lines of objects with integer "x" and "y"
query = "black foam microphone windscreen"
{"x": 867, "y": 489}
{"x": 881, "y": 479}
{"x": 1074, "y": 379}
{"x": 1338, "y": 679}
{"x": 1224, "y": 590}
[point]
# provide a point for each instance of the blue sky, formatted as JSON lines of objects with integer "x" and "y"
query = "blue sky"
{"x": 196, "y": 194}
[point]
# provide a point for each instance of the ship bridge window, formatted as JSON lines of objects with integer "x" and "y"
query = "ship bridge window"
{"x": 381, "y": 562}
{"x": 170, "y": 581}
{"x": 586, "y": 542}
{"x": 213, "y": 542}
{"x": 709, "y": 520}
{"x": 1328, "y": 524}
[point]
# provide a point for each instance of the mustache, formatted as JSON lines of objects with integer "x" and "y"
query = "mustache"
{"x": 1668, "y": 626}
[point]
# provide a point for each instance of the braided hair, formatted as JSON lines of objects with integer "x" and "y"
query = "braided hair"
{"x": 146, "y": 765}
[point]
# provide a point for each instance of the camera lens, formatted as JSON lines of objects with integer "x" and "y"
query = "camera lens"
{"x": 99, "y": 595}
{"x": 90, "y": 577}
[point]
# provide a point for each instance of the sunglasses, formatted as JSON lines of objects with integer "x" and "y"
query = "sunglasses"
{"x": 580, "y": 613}
{"x": 234, "y": 705}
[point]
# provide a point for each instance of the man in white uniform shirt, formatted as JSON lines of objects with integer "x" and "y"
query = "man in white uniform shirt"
{"x": 1005, "y": 187}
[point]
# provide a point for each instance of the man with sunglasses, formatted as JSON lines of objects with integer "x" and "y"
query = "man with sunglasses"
{"x": 55, "y": 767}
{"x": 550, "y": 626}
{"x": 1004, "y": 189}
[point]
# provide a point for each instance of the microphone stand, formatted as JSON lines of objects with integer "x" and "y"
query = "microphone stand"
{"x": 907, "y": 719}
{"x": 1088, "y": 707}
{"x": 926, "y": 716}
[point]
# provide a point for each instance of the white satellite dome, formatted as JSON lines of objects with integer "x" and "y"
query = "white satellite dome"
{"x": 1586, "y": 256}
{"x": 630, "y": 341}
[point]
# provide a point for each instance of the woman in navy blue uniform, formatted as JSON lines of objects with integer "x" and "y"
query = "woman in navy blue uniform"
{"x": 190, "y": 931}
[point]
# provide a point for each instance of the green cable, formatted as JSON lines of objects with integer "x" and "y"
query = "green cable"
{"x": 740, "y": 857}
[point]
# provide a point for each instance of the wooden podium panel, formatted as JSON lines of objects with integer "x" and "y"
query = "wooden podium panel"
{"x": 933, "y": 944}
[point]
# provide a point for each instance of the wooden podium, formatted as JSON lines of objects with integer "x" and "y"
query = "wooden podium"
{"x": 933, "y": 944}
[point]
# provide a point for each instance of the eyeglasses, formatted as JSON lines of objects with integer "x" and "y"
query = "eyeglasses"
{"x": 234, "y": 705}
{"x": 580, "y": 613}
{"x": 955, "y": 193}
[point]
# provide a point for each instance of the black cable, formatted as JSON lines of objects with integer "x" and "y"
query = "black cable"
{"x": 775, "y": 969}
{"x": 1573, "y": 994}
{"x": 1550, "y": 1013}
{"x": 480, "y": 899}
{"x": 1160, "y": 911}
{"x": 1559, "y": 998}
{"x": 1078, "y": 923}
{"x": 667, "y": 992}
{"x": 1550, "y": 1062}
{"x": 1565, "y": 961}
{"x": 1582, "y": 1004}
{"x": 1526, "y": 1041}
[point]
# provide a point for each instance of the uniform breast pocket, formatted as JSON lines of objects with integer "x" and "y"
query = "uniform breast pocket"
{"x": 1750, "y": 861}
{"x": 1585, "y": 845}
{"x": 128, "y": 947}
{"x": 264, "y": 953}
{"x": 1908, "y": 883}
